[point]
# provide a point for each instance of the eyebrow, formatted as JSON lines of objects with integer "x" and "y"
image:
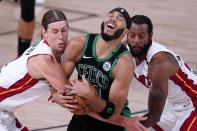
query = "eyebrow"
{"x": 121, "y": 15}
{"x": 54, "y": 28}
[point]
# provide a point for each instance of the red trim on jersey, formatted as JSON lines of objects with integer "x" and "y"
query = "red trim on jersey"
{"x": 25, "y": 129}
{"x": 190, "y": 123}
{"x": 186, "y": 65}
{"x": 157, "y": 127}
{"x": 187, "y": 85}
{"x": 20, "y": 86}
{"x": 144, "y": 80}
{"x": 18, "y": 125}
{"x": 46, "y": 42}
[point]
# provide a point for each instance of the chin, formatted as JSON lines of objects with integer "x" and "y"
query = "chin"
{"x": 61, "y": 50}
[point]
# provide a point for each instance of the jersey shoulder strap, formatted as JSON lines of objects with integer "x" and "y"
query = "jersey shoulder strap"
{"x": 88, "y": 45}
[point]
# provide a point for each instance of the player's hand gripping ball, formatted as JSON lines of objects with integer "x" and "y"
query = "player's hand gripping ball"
{"x": 82, "y": 106}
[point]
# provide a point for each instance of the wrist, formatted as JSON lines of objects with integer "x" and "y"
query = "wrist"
{"x": 92, "y": 95}
{"x": 108, "y": 111}
{"x": 123, "y": 121}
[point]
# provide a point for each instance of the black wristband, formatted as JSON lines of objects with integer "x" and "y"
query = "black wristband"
{"x": 108, "y": 111}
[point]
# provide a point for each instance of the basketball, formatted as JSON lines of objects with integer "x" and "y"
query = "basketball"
{"x": 82, "y": 106}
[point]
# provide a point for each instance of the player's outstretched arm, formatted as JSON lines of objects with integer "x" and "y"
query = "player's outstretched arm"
{"x": 46, "y": 67}
{"x": 161, "y": 67}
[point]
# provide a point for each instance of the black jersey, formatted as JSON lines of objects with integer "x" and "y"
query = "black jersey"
{"x": 99, "y": 73}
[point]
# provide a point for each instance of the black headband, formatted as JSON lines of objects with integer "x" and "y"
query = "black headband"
{"x": 125, "y": 14}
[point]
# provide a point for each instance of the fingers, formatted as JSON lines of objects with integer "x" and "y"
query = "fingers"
{"x": 59, "y": 97}
{"x": 141, "y": 118}
{"x": 70, "y": 90}
{"x": 69, "y": 107}
{"x": 84, "y": 80}
{"x": 142, "y": 128}
{"x": 71, "y": 93}
{"x": 73, "y": 82}
{"x": 136, "y": 125}
{"x": 69, "y": 87}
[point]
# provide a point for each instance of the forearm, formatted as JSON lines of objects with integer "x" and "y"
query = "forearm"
{"x": 99, "y": 105}
{"x": 151, "y": 120}
{"x": 156, "y": 104}
{"x": 116, "y": 120}
{"x": 96, "y": 103}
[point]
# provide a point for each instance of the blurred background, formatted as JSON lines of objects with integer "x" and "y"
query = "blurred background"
{"x": 174, "y": 25}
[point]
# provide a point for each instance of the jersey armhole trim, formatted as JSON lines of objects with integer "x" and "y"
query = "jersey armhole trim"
{"x": 115, "y": 61}
{"x": 85, "y": 46}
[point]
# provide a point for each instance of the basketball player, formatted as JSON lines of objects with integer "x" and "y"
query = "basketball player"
{"x": 26, "y": 25}
{"x": 27, "y": 77}
{"x": 106, "y": 63}
{"x": 173, "y": 84}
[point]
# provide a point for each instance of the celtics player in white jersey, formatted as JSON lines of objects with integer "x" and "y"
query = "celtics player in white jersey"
{"x": 106, "y": 63}
{"x": 171, "y": 82}
{"x": 28, "y": 77}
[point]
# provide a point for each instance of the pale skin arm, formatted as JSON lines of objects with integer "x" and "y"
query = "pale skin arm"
{"x": 46, "y": 67}
{"x": 162, "y": 66}
{"x": 69, "y": 60}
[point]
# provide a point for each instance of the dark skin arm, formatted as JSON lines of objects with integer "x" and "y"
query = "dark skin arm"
{"x": 161, "y": 67}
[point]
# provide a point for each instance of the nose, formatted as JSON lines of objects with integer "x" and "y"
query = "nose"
{"x": 60, "y": 35}
{"x": 114, "y": 17}
{"x": 136, "y": 40}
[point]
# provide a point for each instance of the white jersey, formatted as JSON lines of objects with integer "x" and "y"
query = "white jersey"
{"x": 17, "y": 87}
{"x": 182, "y": 87}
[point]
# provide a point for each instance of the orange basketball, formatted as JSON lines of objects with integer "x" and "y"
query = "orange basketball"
{"x": 82, "y": 106}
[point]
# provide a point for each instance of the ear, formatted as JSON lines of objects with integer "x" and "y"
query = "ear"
{"x": 151, "y": 35}
{"x": 126, "y": 32}
{"x": 44, "y": 32}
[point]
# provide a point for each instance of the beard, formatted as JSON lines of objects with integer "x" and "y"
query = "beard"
{"x": 107, "y": 37}
{"x": 143, "y": 50}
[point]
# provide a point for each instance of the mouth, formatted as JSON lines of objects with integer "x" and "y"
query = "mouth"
{"x": 61, "y": 44}
{"x": 111, "y": 25}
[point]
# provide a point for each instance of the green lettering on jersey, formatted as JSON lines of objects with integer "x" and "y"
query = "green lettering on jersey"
{"x": 93, "y": 75}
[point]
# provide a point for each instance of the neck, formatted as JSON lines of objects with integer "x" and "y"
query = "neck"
{"x": 104, "y": 48}
{"x": 57, "y": 56}
{"x": 139, "y": 60}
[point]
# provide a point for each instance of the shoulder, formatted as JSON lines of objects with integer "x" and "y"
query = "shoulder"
{"x": 163, "y": 57}
{"x": 163, "y": 63}
{"x": 126, "y": 58}
{"x": 41, "y": 58}
{"x": 125, "y": 62}
{"x": 77, "y": 41}
{"x": 74, "y": 48}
